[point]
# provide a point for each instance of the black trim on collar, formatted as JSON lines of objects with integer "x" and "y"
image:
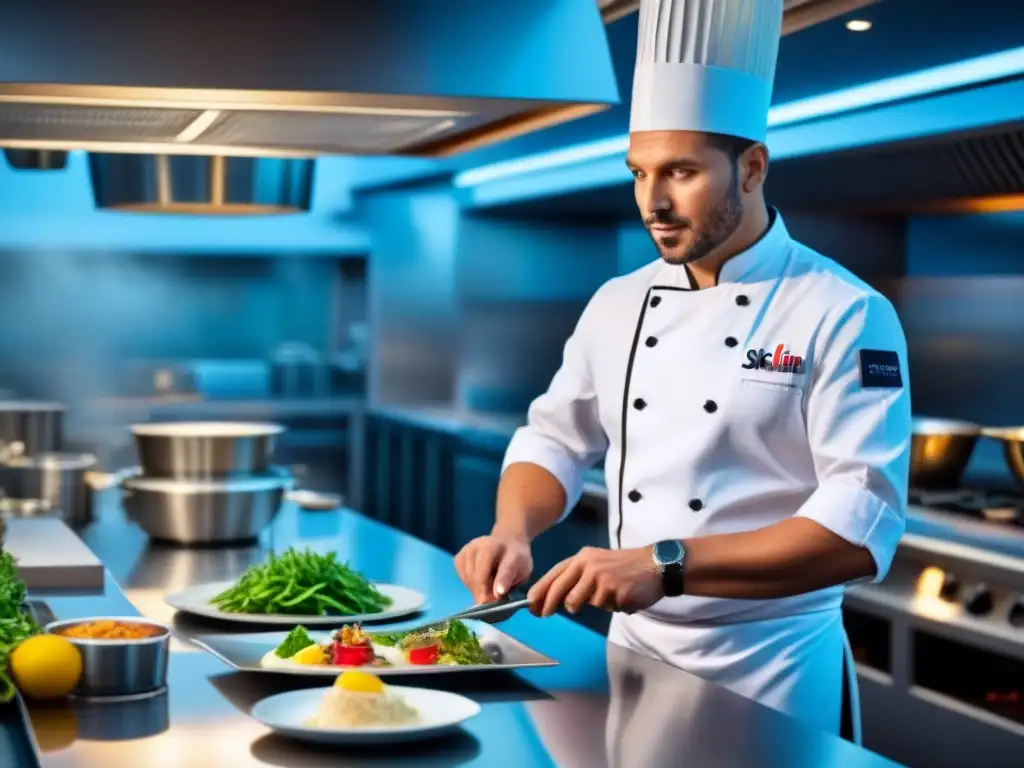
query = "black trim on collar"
{"x": 625, "y": 402}
{"x": 693, "y": 280}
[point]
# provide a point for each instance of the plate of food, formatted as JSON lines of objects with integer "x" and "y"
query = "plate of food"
{"x": 298, "y": 587}
{"x": 452, "y": 646}
{"x": 360, "y": 709}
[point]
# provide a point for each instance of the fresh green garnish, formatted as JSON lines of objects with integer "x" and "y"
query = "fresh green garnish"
{"x": 389, "y": 640}
{"x": 15, "y": 623}
{"x": 302, "y": 584}
{"x": 296, "y": 640}
{"x": 461, "y": 646}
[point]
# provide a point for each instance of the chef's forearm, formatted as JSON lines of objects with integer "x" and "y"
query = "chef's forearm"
{"x": 530, "y": 500}
{"x": 789, "y": 558}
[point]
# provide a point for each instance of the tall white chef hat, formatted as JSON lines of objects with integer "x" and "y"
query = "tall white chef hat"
{"x": 706, "y": 65}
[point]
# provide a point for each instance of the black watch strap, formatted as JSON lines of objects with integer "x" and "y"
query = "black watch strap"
{"x": 672, "y": 579}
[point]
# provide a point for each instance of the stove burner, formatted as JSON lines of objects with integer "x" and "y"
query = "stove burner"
{"x": 996, "y": 506}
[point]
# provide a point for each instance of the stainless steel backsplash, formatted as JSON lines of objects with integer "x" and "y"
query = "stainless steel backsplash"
{"x": 81, "y": 325}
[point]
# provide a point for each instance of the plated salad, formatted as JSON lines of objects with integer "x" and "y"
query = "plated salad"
{"x": 449, "y": 644}
{"x": 302, "y": 584}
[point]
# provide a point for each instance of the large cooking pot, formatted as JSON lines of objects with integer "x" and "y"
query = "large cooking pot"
{"x": 940, "y": 450}
{"x": 200, "y": 450}
{"x": 59, "y": 481}
{"x": 38, "y": 425}
{"x": 1012, "y": 439}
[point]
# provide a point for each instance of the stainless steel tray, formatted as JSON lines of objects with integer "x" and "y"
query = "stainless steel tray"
{"x": 244, "y": 652}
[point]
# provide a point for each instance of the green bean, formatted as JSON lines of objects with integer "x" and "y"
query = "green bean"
{"x": 301, "y": 583}
{"x": 307, "y": 594}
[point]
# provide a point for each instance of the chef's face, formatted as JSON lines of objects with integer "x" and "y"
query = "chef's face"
{"x": 690, "y": 188}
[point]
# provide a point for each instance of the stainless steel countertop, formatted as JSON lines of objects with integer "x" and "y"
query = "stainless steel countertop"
{"x": 603, "y": 705}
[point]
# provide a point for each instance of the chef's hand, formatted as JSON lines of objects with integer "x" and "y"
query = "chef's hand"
{"x": 492, "y": 565}
{"x": 624, "y": 580}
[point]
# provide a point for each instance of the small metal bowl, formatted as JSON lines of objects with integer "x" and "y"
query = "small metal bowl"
{"x": 119, "y": 668}
{"x": 940, "y": 450}
{"x": 1012, "y": 439}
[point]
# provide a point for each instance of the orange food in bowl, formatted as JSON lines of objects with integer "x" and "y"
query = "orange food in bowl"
{"x": 107, "y": 629}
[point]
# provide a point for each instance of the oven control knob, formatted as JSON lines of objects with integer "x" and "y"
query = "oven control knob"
{"x": 1016, "y": 615}
{"x": 979, "y": 600}
{"x": 950, "y": 587}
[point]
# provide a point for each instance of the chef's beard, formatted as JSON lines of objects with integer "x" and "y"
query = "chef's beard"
{"x": 723, "y": 220}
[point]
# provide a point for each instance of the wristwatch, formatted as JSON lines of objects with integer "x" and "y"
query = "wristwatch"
{"x": 669, "y": 556}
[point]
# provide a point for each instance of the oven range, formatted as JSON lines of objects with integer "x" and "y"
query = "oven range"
{"x": 940, "y": 642}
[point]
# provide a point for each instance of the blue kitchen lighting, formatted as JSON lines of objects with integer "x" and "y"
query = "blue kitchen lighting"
{"x": 924, "y": 82}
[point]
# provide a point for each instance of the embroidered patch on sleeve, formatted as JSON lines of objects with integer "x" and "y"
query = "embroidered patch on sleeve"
{"x": 880, "y": 369}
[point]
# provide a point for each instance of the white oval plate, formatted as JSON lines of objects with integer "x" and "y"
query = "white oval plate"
{"x": 289, "y": 714}
{"x": 196, "y": 600}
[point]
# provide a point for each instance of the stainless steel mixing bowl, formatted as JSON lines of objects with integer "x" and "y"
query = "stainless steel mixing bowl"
{"x": 1012, "y": 439}
{"x": 940, "y": 450}
{"x": 205, "y": 449}
{"x": 204, "y": 511}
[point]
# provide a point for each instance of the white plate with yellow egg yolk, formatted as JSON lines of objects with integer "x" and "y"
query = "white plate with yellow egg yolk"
{"x": 361, "y": 709}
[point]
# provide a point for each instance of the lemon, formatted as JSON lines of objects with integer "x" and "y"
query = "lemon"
{"x": 46, "y": 667}
{"x": 359, "y": 682}
{"x": 312, "y": 654}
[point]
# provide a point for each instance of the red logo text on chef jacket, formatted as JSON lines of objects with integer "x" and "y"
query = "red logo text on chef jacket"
{"x": 779, "y": 359}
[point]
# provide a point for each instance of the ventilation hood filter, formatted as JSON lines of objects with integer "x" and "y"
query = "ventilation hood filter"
{"x": 182, "y": 184}
{"x": 958, "y": 172}
{"x": 412, "y": 77}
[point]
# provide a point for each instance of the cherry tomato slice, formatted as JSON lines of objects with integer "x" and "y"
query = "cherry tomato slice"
{"x": 351, "y": 655}
{"x": 426, "y": 655}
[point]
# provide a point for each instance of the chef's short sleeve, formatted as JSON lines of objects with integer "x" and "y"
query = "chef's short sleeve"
{"x": 563, "y": 432}
{"x": 859, "y": 428}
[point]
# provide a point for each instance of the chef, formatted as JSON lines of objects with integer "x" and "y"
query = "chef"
{"x": 749, "y": 395}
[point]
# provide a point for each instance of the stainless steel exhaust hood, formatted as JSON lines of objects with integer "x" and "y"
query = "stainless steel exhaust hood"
{"x": 979, "y": 171}
{"x": 410, "y": 77}
{"x": 36, "y": 159}
{"x": 204, "y": 185}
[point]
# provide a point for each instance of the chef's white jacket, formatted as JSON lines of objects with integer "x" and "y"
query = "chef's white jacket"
{"x": 710, "y": 423}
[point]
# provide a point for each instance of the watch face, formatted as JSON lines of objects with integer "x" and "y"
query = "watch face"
{"x": 666, "y": 552}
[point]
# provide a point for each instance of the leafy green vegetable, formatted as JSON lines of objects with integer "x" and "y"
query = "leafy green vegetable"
{"x": 461, "y": 646}
{"x": 302, "y": 584}
{"x": 15, "y": 622}
{"x": 389, "y": 640}
{"x": 296, "y": 640}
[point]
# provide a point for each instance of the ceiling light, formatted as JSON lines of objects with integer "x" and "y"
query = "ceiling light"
{"x": 858, "y": 25}
{"x": 925, "y": 82}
